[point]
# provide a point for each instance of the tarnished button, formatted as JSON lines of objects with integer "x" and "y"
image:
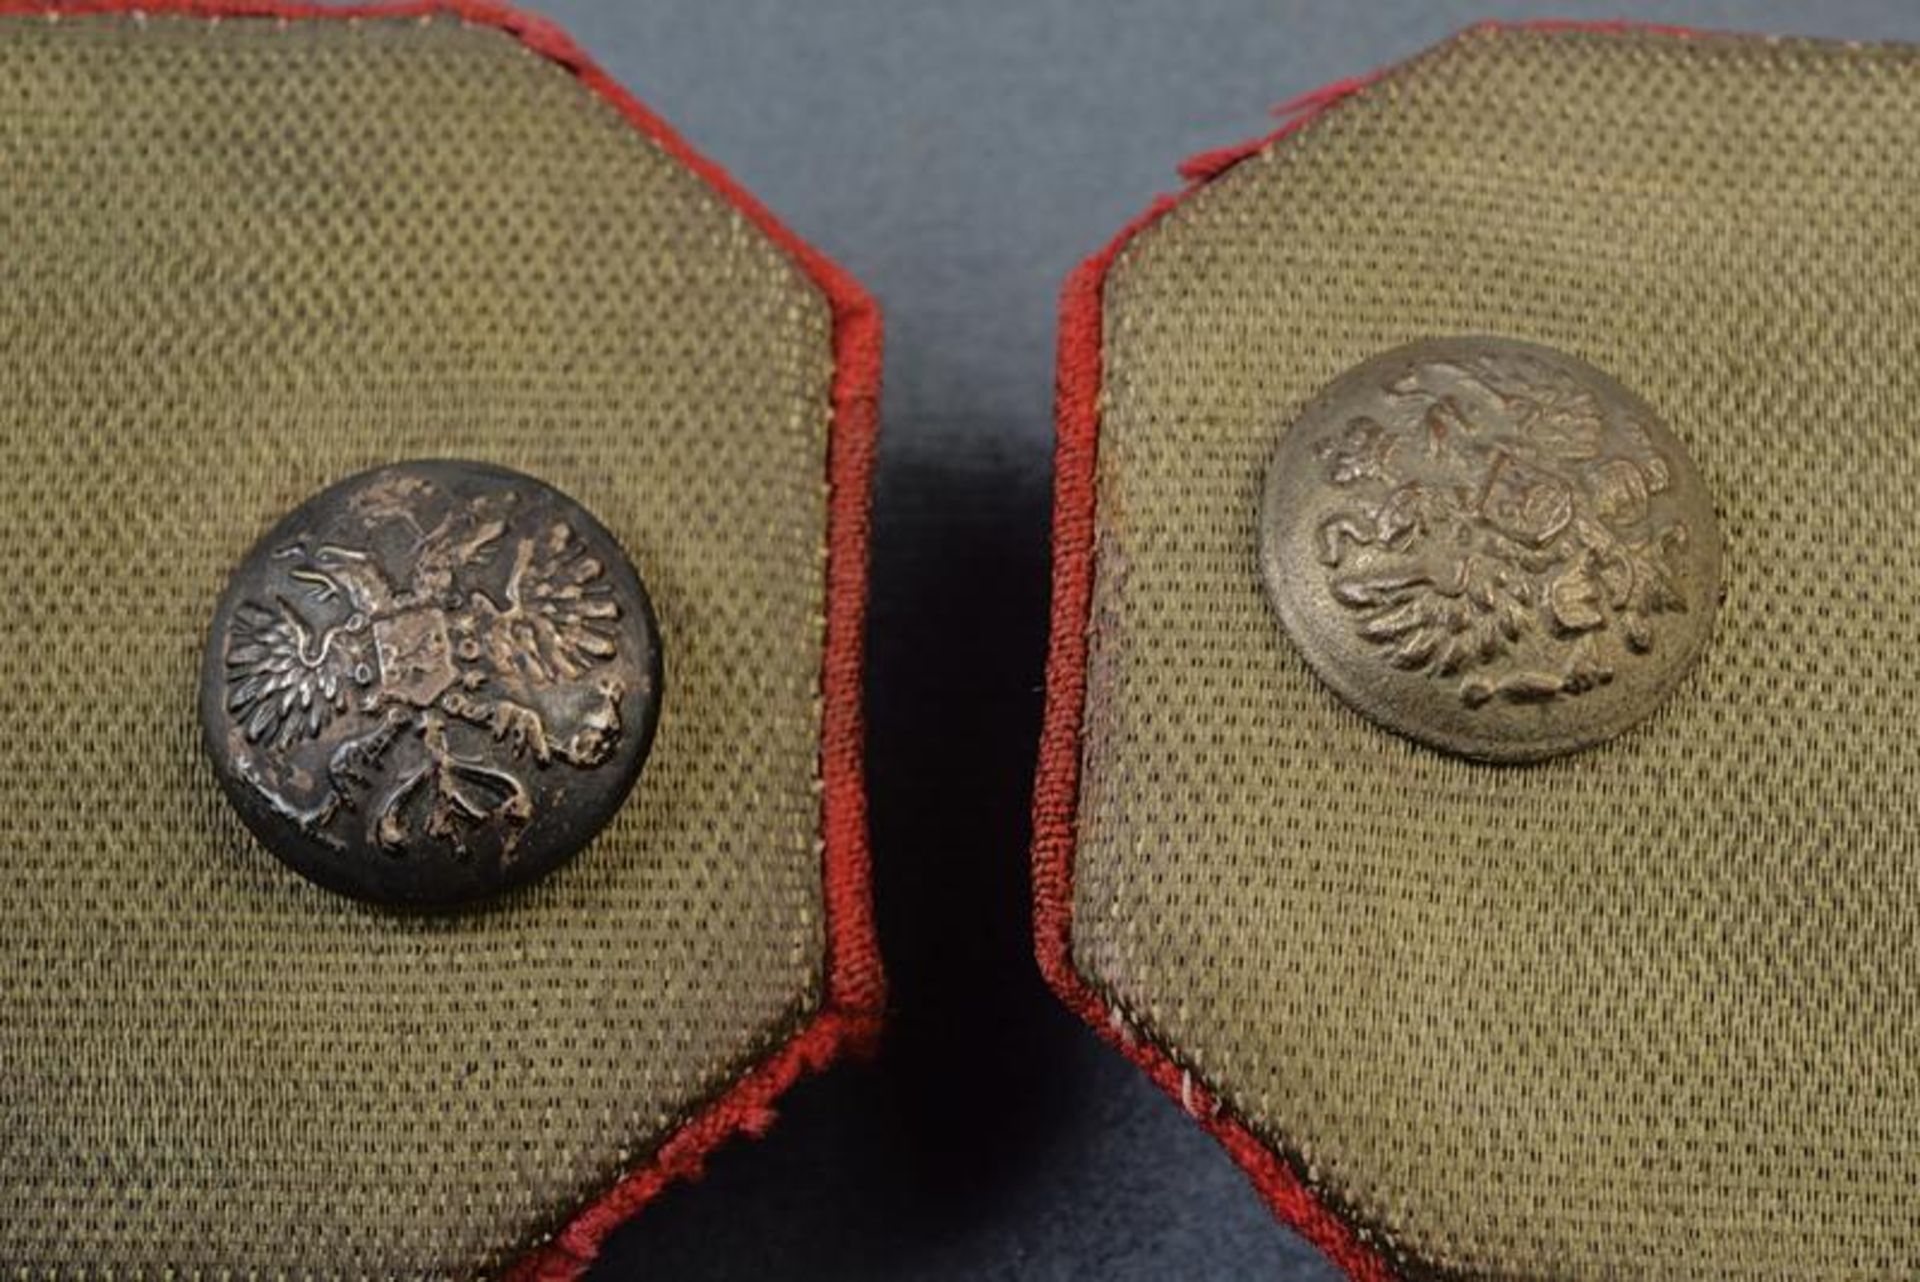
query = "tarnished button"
{"x": 431, "y": 682}
{"x": 1490, "y": 547}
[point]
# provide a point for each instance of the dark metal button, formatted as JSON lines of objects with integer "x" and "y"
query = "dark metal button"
{"x": 431, "y": 682}
{"x": 1490, "y": 547}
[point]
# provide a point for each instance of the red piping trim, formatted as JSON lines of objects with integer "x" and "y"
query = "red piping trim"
{"x": 1057, "y": 782}
{"x": 848, "y": 1020}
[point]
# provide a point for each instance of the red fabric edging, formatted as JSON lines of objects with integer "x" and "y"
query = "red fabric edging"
{"x": 849, "y": 1017}
{"x": 1057, "y": 782}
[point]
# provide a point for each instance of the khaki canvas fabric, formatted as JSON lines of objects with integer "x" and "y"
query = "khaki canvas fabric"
{"x": 240, "y": 260}
{"x": 1647, "y": 1012}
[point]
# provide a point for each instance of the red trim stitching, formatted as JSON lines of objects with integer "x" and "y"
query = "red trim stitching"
{"x": 849, "y": 1018}
{"x": 1057, "y": 780}
{"x": 1057, "y": 784}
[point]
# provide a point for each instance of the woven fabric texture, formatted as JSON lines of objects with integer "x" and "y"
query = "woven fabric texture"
{"x": 1649, "y": 1011}
{"x": 239, "y": 260}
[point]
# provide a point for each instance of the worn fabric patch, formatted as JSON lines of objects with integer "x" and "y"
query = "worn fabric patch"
{"x": 1650, "y": 1010}
{"x": 240, "y": 259}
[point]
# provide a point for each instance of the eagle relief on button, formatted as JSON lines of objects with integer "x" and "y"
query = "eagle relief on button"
{"x": 1490, "y": 547}
{"x": 431, "y": 682}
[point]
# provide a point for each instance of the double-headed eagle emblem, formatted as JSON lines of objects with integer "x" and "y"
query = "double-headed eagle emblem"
{"x": 380, "y": 667}
{"x": 1503, "y": 511}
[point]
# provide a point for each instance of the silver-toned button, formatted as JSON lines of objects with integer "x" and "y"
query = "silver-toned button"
{"x": 1491, "y": 547}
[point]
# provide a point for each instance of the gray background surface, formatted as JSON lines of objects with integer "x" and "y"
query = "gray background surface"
{"x": 959, "y": 159}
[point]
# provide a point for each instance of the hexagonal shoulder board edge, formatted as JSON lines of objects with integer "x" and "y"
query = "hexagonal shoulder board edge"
{"x": 1281, "y": 1179}
{"x": 847, "y": 1016}
{"x": 1056, "y": 799}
